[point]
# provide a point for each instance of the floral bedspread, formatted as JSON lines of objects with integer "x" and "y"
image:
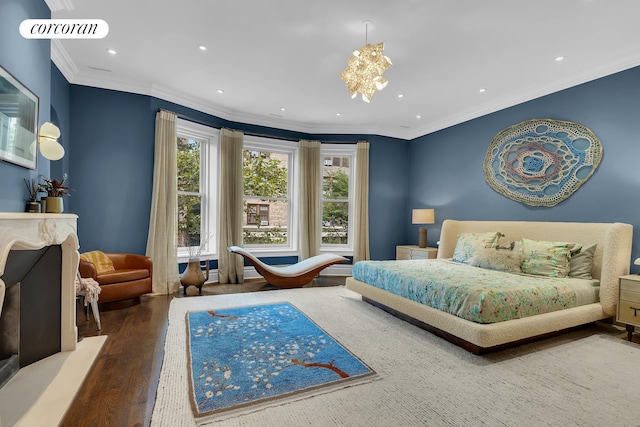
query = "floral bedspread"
{"x": 476, "y": 294}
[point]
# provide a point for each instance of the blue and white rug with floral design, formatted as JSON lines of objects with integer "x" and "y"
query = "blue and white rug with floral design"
{"x": 246, "y": 356}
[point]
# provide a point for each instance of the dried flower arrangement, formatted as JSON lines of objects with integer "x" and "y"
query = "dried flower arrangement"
{"x": 33, "y": 188}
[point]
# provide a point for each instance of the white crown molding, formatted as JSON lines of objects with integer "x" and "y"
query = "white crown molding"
{"x": 73, "y": 75}
{"x": 106, "y": 81}
{"x": 171, "y": 95}
{"x": 56, "y": 5}
{"x": 63, "y": 61}
{"x": 528, "y": 95}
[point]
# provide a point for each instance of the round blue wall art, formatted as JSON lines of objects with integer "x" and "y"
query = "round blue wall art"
{"x": 541, "y": 162}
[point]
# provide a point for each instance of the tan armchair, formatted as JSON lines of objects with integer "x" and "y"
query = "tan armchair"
{"x": 130, "y": 276}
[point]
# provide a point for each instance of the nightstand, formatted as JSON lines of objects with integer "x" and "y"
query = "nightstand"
{"x": 629, "y": 302}
{"x": 415, "y": 252}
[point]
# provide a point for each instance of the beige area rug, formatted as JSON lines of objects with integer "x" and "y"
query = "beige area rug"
{"x": 40, "y": 394}
{"x": 584, "y": 378}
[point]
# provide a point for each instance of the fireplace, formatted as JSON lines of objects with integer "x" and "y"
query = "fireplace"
{"x": 38, "y": 263}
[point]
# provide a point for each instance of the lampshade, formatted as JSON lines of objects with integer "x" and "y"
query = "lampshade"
{"x": 637, "y": 261}
{"x": 48, "y": 140}
{"x": 423, "y": 216}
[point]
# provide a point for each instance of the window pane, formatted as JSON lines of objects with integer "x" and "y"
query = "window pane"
{"x": 265, "y": 173}
{"x": 189, "y": 220}
{"x": 335, "y": 222}
{"x": 252, "y": 214}
{"x": 266, "y": 196}
{"x": 266, "y": 222}
{"x": 188, "y": 158}
{"x": 335, "y": 181}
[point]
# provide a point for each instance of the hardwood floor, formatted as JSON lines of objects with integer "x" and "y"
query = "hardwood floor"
{"x": 121, "y": 386}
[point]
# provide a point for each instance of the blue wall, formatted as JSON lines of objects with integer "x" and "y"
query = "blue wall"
{"x": 29, "y": 62}
{"x": 446, "y": 167}
{"x": 108, "y": 136}
{"x": 112, "y": 169}
{"x": 60, "y": 115}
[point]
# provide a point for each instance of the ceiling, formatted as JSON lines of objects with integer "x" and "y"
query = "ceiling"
{"x": 278, "y": 61}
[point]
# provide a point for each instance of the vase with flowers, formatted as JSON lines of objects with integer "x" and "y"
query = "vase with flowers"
{"x": 55, "y": 189}
{"x": 193, "y": 274}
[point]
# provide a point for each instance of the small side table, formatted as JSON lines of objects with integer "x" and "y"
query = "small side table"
{"x": 629, "y": 302}
{"x": 415, "y": 252}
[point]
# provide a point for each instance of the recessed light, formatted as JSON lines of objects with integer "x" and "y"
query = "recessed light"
{"x": 559, "y": 58}
{"x": 220, "y": 91}
{"x": 400, "y": 95}
{"x": 338, "y": 114}
{"x": 202, "y": 47}
{"x": 482, "y": 90}
{"x": 282, "y": 108}
{"x": 112, "y": 51}
{"x": 419, "y": 116}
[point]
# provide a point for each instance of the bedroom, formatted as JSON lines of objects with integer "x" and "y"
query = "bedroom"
{"x": 440, "y": 170}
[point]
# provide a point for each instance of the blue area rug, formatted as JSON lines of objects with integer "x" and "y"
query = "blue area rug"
{"x": 250, "y": 356}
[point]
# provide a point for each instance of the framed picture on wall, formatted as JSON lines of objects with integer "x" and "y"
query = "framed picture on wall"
{"x": 18, "y": 122}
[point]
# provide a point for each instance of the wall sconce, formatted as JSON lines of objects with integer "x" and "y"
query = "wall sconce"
{"x": 422, "y": 216}
{"x": 48, "y": 141}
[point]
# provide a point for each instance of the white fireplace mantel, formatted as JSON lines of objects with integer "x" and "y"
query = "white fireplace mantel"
{"x": 32, "y": 231}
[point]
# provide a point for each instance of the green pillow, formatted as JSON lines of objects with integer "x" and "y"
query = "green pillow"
{"x": 544, "y": 258}
{"x": 581, "y": 263}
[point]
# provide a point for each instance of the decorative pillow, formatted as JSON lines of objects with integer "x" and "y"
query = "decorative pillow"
{"x": 547, "y": 258}
{"x": 581, "y": 263}
{"x": 469, "y": 243}
{"x": 493, "y": 259}
{"x": 100, "y": 260}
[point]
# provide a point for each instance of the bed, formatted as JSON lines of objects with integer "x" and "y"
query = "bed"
{"x": 570, "y": 305}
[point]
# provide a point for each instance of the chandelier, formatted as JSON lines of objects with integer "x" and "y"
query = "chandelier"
{"x": 365, "y": 68}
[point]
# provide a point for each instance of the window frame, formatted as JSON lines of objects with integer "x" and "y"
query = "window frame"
{"x": 332, "y": 151}
{"x": 209, "y": 153}
{"x": 290, "y": 148}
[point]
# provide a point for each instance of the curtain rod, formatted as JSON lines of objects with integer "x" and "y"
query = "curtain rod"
{"x": 260, "y": 135}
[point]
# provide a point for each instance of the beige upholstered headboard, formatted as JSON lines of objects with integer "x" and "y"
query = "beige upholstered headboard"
{"x": 612, "y": 258}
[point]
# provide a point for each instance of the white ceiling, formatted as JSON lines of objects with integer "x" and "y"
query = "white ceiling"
{"x": 268, "y": 55}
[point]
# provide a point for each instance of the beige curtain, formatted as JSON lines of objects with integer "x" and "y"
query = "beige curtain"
{"x": 230, "y": 266}
{"x": 309, "y": 206}
{"x": 361, "y": 208}
{"x": 161, "y": 240}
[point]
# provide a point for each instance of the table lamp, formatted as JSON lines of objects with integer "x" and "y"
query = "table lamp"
{"x": 422, "y": 216}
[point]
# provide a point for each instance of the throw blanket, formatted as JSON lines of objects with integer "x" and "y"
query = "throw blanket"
{"x": 89, "y": 288}
{"x": 472, "y": 293}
